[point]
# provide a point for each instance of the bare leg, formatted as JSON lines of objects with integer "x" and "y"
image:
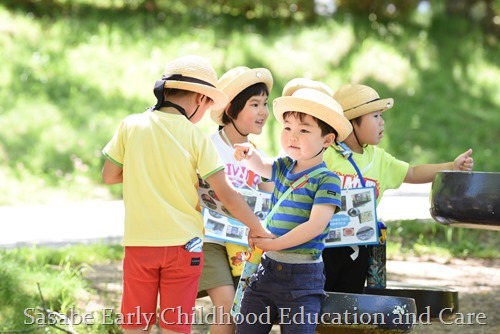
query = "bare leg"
{"x": 168, "y": 331}
{"x": 142, "y": 331}
{"x": 136, "y": 331}
{"x": 222, "y": 300}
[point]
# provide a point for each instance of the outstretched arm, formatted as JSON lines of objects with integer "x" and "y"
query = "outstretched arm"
{"x": 254, "y": 160}
{"x": 237, "y": 206}
{"x": 425, "y": 173}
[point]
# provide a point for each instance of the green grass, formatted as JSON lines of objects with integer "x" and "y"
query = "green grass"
{"x": 73, "y": 70}
{"x": 28, "y": 274}
{"x": 427, "y": 238}
{"x": 59, "y": 272}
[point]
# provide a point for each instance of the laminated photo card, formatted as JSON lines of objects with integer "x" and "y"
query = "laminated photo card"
{"x": 356, "y": 222}
{"x": 219, "y": 224}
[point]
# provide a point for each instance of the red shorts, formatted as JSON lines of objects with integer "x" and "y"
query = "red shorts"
{"x": 173, "y": 273}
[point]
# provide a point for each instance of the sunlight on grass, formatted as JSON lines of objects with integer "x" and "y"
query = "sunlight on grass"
{"x": 438, "y": 251}
{"x": 59, "y": 273}
{"x": 293, "y": 57}
{"x": 427, "y": 238}
{"x": 61, "y": 287}
{"x": 67, "y": 82}
{"x": 483, "y": 80}
{"x": 382, "y": 63}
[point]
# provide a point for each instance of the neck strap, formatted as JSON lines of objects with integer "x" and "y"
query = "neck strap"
{"x": 241, "y": 134}
{"x": 346, "y": 152}
{"x": 299, "y": 183}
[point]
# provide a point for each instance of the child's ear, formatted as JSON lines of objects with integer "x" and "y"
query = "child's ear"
{"x": 329, "y": 140}
{"x": 226, "y": 110}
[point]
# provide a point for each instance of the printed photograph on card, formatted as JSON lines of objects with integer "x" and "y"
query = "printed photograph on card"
{"x": 356, "y": 222}
{"x": 219, "y": 223}
{"x": 215, "y": 227}
{"x": 334, "y": 235}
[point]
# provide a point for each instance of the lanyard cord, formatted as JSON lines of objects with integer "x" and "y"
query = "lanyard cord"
{"x": 346, "y": 152}
{"x": 300, "y": 182}
{"x": 351, "y": 160}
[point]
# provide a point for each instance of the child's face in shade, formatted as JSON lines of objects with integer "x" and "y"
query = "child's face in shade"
{"x": 369, "y": 128}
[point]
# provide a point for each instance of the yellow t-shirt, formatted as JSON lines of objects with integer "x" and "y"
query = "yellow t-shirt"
{"x": 379, "y": 169}
{"x": 161, "y": 155}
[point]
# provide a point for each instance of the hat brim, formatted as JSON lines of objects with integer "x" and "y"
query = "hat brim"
{"x": 377, "y": 105}
{"x": 333, "y": 118}
{"x": 218, "y": 96}
{"x": 239, "y": 84}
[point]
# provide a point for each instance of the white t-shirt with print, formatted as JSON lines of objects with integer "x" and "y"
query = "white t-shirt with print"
{"x": 236, "y": 171}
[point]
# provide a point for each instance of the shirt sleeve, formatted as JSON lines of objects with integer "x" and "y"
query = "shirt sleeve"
{"x": 115, "y": 148}
{"x": 394, "y": 170}
{"x": 329, "y": 191}
{"x": 208, "y": 158}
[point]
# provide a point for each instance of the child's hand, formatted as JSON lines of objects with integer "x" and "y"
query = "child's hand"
{"x": 464, "y": 161}
{"x": 254, "y": 234}
{"x": 266, "y": 244}
{"x": 243, "y": 151}
{"x": 260, "y": 233}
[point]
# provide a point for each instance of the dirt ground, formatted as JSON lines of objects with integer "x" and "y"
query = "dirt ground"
{"x": 477, "y": 282}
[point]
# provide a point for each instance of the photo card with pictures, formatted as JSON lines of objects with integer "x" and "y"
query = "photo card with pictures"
{"x": 356, "y": 222}
{"x": 219, "y": 223}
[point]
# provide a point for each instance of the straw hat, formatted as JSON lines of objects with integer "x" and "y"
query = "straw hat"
{"x": 358, "y": 100}
{"x": 235, "y": 81}
{"x": 194, "y": 73}
{"x": 315, "y": 103}
{"x": 298, "y": 83}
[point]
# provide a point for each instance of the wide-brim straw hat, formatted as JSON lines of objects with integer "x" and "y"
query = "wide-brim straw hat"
{"x": 358, "y": 100}
{"x": 235, "y": 81}
{"x": 315, "y": 103}
{"x": 298, "y": 83}
{"x": 194, "y": 73}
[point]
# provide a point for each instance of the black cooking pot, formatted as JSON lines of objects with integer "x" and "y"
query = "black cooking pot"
{"x": 466, "y": 199}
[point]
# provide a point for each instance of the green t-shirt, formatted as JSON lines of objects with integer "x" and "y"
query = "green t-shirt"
{"x": 379, "y": 169}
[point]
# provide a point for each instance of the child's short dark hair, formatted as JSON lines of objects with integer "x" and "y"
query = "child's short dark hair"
{"x": 324, "y": 127}
{"x": 239, "y": 101}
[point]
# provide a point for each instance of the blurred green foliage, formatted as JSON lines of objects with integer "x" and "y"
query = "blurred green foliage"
{"x": 71, "y": 69}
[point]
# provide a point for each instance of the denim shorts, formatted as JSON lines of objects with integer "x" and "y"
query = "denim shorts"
{"x": 289, "y": 294}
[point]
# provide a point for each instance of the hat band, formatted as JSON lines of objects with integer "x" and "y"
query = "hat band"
{"x": 362, "y": 104}
{"x": 160, "y": 84}
{"x": 180, "y": 77}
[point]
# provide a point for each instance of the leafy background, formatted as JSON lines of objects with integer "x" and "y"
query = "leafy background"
{"x": 71, "y": 70}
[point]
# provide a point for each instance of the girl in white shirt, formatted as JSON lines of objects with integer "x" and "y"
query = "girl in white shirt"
{"x": 246, "y": 113}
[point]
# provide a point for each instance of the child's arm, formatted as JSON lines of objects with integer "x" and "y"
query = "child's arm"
{"x": 254, "y": 160}
{"x": 112, "y": 173}
{"x": 237, "y": 205}
{"x": 425, "y": 173}
{"x": 267, "y": 186}
{"x": 321, "y": 214}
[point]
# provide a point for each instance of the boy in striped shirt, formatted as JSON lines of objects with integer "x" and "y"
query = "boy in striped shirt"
{"x": 289, "y": 282}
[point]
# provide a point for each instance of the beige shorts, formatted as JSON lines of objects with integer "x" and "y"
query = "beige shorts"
{"x": 216, "y": 269}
